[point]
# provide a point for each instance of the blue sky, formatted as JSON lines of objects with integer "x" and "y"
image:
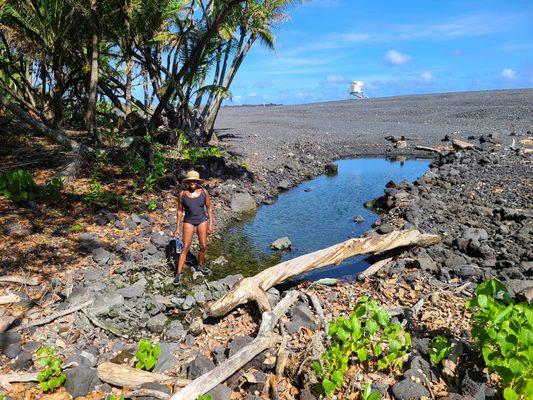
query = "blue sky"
{"x": 396, "y": 47}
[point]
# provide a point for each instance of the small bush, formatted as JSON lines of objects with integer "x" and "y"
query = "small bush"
{"x": 53, "y": 187}
{"x": 51, "y": 376}
{"x": 147, "y": 355}
{"x": 135, "y": 163}
{"x": 439, "y": 349}
{"x": 368, "y": 394}
{"x": 17, "y": 185}
{"x": 366, "y": 336}
{"x": 151, "y": 205}
{"x": 504, "y": 332}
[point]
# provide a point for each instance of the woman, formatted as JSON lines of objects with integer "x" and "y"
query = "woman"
{"x": 195, "y": 204}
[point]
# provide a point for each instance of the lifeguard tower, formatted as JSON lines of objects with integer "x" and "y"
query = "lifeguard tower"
{"x": 356, "y": 90}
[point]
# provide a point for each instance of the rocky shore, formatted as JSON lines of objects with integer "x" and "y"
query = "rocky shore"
{"x": 478, "y": 200}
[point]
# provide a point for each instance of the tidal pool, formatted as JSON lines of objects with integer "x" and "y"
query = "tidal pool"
{"x": 316, "y": 214}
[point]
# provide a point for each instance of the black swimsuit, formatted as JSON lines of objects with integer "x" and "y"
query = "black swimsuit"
{"x": 194, "y": 209}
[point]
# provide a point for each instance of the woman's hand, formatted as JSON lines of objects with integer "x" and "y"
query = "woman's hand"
{"x": 177, "y": 232}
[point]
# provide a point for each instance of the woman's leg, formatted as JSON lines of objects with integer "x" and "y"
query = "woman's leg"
{"x": 188, "y": 231}
{"x": 202, "y": 238}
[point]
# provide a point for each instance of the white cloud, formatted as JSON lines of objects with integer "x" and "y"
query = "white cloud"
{"x": 426, "y": 77}
{"x": 394, "y": 57}
{"x": 508, "y": 73}
{"x": 335, "y": 79}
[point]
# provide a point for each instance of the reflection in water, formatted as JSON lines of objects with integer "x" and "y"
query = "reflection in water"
{"x": 316, "y": 214}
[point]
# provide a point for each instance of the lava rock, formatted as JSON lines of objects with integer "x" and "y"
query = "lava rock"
{"x": 135, "y": 290}
{"x": 409, "y": 390}
{"x": 175, "y": 330}
{"x": 199, "y": 366}
{"x": 301, "y": 316}
{"x": 159, "y": 240}
{"x": 157, "y": 323}
{"x": 9, "y": 342}
{"x": 385, "y": 228}
{"x": 81, "y": 380}
{"x": 242, "y": 203}
{"x": 220, "y": 392}
{"x": 474, "y": 384}
{"x": 101, "y": 256}
{"x": 283, "y": 243}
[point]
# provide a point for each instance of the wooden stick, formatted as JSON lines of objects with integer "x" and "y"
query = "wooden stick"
{"x": 33, "y": 281}
{"x": 132, "y": 378}
{"x": 373, "y": 269}
{"x": 7, "y": 379}
{"x": 147, "y": 393}
{"x": 461, "y": 144}
{"x": 266, "y": 338}
{"x": 431, "y": 149}
{"x": 54, "y": 316}
{"x": 318, "y": 307}
{"x": 254, "y": 288}
{"x": 9, "y": 298}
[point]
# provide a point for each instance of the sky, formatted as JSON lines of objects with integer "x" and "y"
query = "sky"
{"x": 396, "y": 47}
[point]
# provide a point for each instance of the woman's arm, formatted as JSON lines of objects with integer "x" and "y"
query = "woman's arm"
{"x": 209, "y": 210}
{"x": 177, "y": 231}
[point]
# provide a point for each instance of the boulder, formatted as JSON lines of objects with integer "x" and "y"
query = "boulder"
{"x": 408, "y": 390}
{"x": 242, "y": 202}
{"x": 101, "y": 255}
{"x": 166, "y": 359}
{"x": 283, "y": 243}
{"x": 175, "y": 331}
{"x": 331, "y": 169}
{"x": 81, "y": 380}
{"x": 199, "y": 366}
{"x": 220, "y": 392}
{"x": 135, "y": 290}
{"x": 157, "y": 323}
{"x": 105, "y": 302}
{"x": 301, "y": 316}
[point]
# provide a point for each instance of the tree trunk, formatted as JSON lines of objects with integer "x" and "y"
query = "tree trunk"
{"x": 215, "y": 107}
{"x": 255, "y": 287}
{"x": 90, "y": 113}
{"x": 129, "y": 81}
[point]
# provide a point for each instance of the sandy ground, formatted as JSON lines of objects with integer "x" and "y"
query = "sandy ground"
{"x": 359, "y": 126}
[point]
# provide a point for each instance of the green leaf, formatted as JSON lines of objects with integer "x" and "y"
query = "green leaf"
{"x": 317, "y": 368}
{"x": 510, "y": 394}
{"x": 362, "y": 355}
{"x": 342, "y": 334}
{"x": 371, "y": 326}
{"x": 482, "y": 301}
{"x": 374, "y": 396}
{"x": 328, "y": 386}
{"x": 338, "y": 378}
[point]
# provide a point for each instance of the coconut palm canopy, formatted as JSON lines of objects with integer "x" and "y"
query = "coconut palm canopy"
{"x": 90, "y": 64}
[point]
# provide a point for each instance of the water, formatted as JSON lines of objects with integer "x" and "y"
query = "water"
{"x": 316, "y": 214}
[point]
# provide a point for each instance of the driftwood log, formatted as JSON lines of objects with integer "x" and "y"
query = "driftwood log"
{"x": 461, "y": 145}
{"x": 7, "y": 379}
{"x": 265, "y": 339}
{"x": 33, "y": 281}
{"x": 128, "y": 377}
{"x": 373, "y": 269}
{"x": 431, "y": 149}
{"x": 254, "y": 288}
{"x": 9, "y": 299}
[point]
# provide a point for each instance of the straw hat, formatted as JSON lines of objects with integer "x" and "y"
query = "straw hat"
{"x": 192, "y": 176}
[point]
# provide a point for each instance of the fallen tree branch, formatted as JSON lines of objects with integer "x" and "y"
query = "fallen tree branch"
{"x": 430, "y": 149}
{"x": 7, "y": 379}
{"x": 54, "y": 316}
{"x": 9, "y": 299}
{"x": 461, "y": 145}
{"x": 265, "y": 339}
{"x": 254, "y": 288}
{"x": 318, "y": 308}
{"x": 147, "y": 393}
{"x": 33, "y": 281}
{"x": 132, "y": 378}
{"x": 373, "y": 269}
